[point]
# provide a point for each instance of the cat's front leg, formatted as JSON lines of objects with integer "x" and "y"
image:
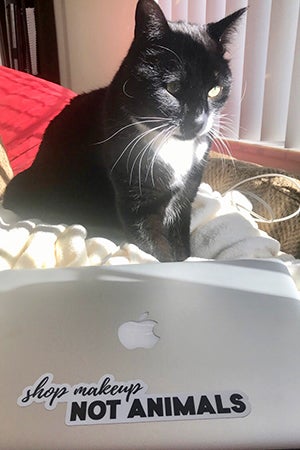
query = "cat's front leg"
{"x": 178, "y": 230}
{"x": 164, "y": 245}
{"x": 150, "y": 235}
{"x": 152, "y": 230}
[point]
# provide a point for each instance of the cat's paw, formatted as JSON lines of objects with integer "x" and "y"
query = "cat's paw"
{"x": 181, "y": 254}
{"x": 171, "y": 253}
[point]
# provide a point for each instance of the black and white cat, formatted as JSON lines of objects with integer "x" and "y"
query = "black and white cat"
{"x": 130, "y": 156}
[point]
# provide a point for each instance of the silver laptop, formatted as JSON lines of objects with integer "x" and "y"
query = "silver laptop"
{"x": 199, "y": 355}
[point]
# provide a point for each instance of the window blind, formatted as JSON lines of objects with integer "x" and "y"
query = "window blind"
{"x": 264, "y": 105}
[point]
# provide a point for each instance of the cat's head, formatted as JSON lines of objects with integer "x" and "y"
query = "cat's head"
{"x": 176, "y": 70}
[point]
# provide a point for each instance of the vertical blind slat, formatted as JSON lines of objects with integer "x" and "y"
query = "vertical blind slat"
{"x": 255, "y": 61}
{"x": 293, "y": 125}
{"x": 166, "y": 6}
{"x": 282, "y": 41}
{"x": 197, "y": 11}
{"x": 215, "y": 10}
{"x": 232, "y": 108}
{"x": 180, "y": 10}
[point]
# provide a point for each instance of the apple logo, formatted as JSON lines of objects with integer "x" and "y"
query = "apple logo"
{"x": 138, "y": 334}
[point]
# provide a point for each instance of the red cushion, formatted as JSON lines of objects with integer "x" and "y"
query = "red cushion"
{"x": 27, "y": 104}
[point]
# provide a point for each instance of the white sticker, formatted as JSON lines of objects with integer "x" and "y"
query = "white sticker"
{"x": 110, "y": 401}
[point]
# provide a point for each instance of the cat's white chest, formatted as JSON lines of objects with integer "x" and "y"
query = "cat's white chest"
{"x": 179, "y": 156}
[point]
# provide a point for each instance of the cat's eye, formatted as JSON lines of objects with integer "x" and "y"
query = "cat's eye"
{"x": 173, "y": 87}
{"x": 215, "y": 92}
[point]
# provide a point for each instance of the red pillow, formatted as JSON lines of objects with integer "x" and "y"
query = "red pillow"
{"x": 27, "y": 104}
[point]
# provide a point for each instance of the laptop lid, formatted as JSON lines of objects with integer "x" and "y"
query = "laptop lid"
{"x": 181, "y": 355}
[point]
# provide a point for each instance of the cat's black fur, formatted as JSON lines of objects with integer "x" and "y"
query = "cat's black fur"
{"x": 130, "y": 156}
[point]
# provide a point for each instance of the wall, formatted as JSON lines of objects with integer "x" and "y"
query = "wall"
{"x": 91, "y": 45}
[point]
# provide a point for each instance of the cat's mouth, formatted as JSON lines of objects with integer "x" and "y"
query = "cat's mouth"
{"x": 190, "y": 135}
{"x": 184, "y": 137}
{"x": 194, "y": 130}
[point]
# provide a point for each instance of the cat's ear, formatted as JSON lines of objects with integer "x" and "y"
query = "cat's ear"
{"x": 150, "y": 22}
{"x": 221, "y": 31}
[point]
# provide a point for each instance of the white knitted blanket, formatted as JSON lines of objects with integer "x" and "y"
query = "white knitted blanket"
{"x": 219, "y": 230}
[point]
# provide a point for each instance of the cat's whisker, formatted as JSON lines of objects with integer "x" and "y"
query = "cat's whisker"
{"x": 226, "y": 123}
{"x": 140, "y": 162}
{"x": 228, "y": 130}
{"x": 219, "y": 150}
{"x": 124, "y": 128}
{"x": 168, "y": 134}
{"x": 224, "y": 116}
{"x": 165, "y": 134}
{"x": 219, "y": 141}
{"x": 140, "y": 137}
{"x": 222, "y": 145}
{"x": 137, "y": 138}
{"x": 134, "y": 141}
{"x": 124, "y": 90}
{"x": 165, "y": 119}
{"x": 142, "y": 153}
{"x": 171, "y": 51}
{"x": 228, "y": 151}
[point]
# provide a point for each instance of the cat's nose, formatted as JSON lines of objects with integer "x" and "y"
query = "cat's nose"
{"x": 193, "y": 126}
{"x": 200, "y": 122}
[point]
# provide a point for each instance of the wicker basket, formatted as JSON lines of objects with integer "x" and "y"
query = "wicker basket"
{"x": 282, "y": 196}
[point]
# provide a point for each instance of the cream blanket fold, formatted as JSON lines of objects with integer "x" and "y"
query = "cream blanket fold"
{"x": 221, "y": 228}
